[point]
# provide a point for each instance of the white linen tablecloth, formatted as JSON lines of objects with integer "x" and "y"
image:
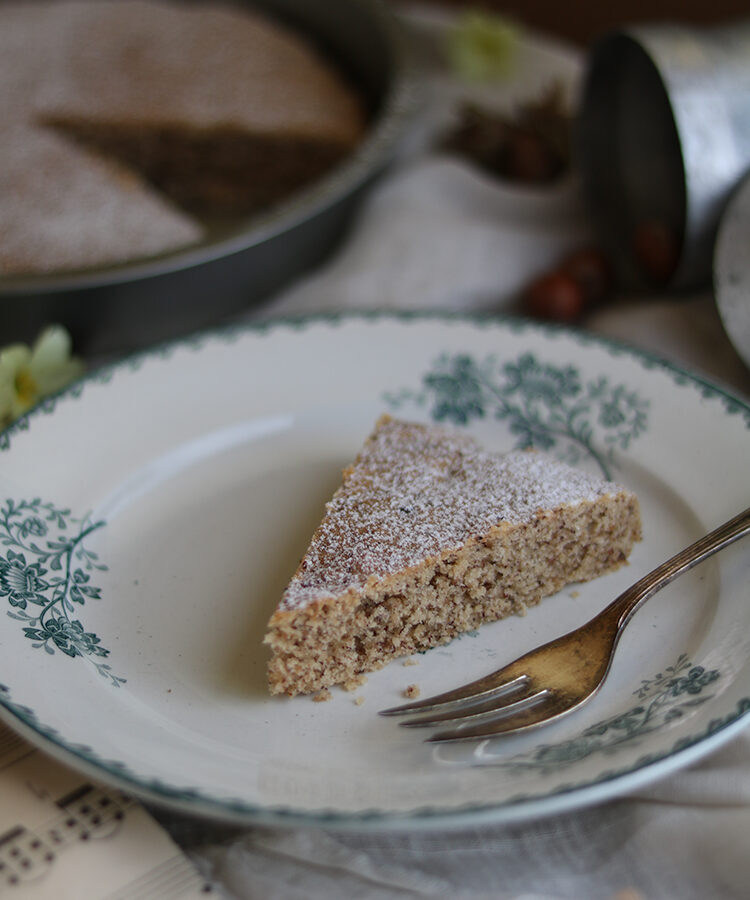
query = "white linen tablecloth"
{"x": 684, "y": 838}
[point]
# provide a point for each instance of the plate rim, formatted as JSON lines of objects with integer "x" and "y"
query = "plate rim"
{"x": 682, "y": 375}
{"x": 647, "y": 769}
{"x": 608, "y": 784}
{"x": 726, "y": 264}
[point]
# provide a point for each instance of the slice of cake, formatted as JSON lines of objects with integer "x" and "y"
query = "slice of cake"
{"x": 429, "y": 536}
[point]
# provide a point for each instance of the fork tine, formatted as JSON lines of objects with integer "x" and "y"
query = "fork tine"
{"x": 551, "y": 707}
{"x": 501, "y": 705}
{"x": 504, "y": 680}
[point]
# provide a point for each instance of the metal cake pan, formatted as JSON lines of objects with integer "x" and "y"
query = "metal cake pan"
{"x": 112, "y": 310}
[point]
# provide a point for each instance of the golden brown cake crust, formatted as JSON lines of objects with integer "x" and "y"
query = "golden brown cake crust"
{"x": 429, "y": 536}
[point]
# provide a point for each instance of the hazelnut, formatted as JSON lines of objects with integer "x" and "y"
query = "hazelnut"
{"x": 656, "y": 248}
{"x": 555, "y": 296}
{"x": 592, "y": 272}
{"x": 529, "y": 158}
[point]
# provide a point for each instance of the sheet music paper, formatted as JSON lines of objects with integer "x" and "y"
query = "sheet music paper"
{"x": 63, "y": 836}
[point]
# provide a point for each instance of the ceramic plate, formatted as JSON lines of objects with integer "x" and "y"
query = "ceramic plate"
{"x": 152, "y": 514}
{"x": 732, "y": 270}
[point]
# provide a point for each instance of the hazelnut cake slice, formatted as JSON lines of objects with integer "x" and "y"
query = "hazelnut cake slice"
{"x": 429, "y": 536}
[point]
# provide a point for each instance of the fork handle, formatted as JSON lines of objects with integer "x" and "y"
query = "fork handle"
{"x": 622, "y": 608}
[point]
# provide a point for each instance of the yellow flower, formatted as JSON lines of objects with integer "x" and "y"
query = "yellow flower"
{"x": 29, "y": 373}
{"x": 482, "y": 46}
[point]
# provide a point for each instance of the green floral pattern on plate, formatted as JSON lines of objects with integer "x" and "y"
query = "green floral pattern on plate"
{"x": 45, "y": 575}
{"x": 546, "y": 406}
{"x": 662, "y": 699}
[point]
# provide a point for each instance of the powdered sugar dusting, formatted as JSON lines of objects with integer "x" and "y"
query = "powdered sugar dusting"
{"x": 418, "y": 490}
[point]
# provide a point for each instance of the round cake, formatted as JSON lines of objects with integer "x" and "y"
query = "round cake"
{"x": 131, "y": 124}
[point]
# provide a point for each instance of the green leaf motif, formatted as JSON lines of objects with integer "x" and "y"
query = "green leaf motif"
{"x": 545, "y": 406}
{"x": 45, "y": 572}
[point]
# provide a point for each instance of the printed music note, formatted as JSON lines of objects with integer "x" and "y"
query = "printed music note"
{"x": 90, "y": 812}
{"x": 23, "y": 856}
{"x": 63, "y": 837}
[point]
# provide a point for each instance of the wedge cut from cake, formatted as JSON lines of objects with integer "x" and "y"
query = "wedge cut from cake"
{"x": 429, "y": 536}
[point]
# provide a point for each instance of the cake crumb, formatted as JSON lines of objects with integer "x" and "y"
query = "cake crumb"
{"x": 412, "y": 692}
{"x": 575, "y": 594}
{"x": 322, "y": 696}
{"x": 358, "y": 701}
{"x": 353, "y": 683}
{"x": 410, "y": 662}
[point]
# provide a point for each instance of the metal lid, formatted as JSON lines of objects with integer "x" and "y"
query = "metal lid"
{"x": 663, "y": 137}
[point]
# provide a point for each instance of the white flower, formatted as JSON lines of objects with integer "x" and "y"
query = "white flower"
{"x": 29, "y": 373}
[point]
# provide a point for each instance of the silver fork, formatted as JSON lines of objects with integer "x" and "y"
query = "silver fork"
{"x": 559, "y": 676}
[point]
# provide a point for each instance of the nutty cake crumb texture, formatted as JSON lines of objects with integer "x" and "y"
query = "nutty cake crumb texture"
{"x": 430, "y": 536}
{"x": 412, "y": 692}
{"x": 353, "y": 683}
{"x": 322, "y": 696}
